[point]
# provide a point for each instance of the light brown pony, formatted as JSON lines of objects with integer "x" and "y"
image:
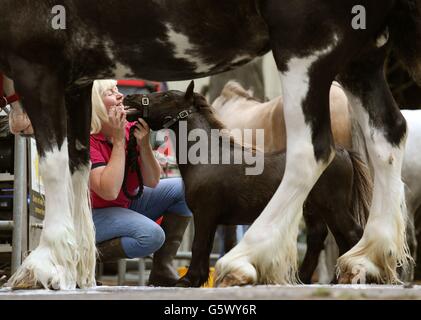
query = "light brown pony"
{"x": 238, "y": 109}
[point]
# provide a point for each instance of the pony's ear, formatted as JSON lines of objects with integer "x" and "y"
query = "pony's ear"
{"x": 189, "y": 92}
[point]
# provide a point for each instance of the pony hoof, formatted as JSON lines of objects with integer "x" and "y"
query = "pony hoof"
{"x": 183, "y": 283}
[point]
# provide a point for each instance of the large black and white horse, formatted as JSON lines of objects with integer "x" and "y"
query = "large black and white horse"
{"x": 313, "y": 41}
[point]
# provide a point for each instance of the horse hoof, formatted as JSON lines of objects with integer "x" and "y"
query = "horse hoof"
{"x": 25, "y": 283}
{"x": 234, "y": 273}
{"x": 237, "y": 277}
{"x": 360, "y": 274}
{"x": 39, "y": 270}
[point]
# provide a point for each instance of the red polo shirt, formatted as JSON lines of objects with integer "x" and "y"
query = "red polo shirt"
{"x": 100, "y": 152}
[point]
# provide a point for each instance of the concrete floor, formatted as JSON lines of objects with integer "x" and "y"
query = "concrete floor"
{"x": 235, "y": 293}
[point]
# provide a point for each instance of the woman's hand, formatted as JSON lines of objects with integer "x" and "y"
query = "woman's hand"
{"x": 142, "y": 132}
{"x": 117, "y": 123}
{"x": 19, "y": 122}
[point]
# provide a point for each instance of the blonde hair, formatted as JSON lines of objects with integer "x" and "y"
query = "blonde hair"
{"x": 99, "y": 111}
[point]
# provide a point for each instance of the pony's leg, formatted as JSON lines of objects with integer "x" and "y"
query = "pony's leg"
{"x": 53, "y": 263}
{"x": 78, "y": 105}
{"x": 230, "y": 237}
{"x": 268, "y": 252}
{"x": 383, "y": 245}
{"x": 204, "y": 234}
{"x": 316, "y": 234}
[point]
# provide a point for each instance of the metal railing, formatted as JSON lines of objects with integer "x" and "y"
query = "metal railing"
{"x": 19, "y": 202}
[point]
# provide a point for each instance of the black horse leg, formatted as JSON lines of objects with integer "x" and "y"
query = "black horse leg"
{"x": 316, "y": 235}
{"x": 53, "y": 262}
{"x": 204, "y": 234}
{"x": 78, "y": 105}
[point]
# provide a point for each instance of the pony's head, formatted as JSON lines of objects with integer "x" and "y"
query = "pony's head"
{"x": 159, "y": 109}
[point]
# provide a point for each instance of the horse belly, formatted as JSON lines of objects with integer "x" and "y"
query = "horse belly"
{"x": 162, "y": 40}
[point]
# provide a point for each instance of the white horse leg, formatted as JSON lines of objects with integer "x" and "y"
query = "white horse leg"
{"x": 268, "y": 252}
{"x": 53, "y": 263}
{"x": 383, "y": 246}
{"x": 84, "y": 227}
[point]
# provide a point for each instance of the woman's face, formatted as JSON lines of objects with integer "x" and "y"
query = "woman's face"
{"x": 112, "y": 98}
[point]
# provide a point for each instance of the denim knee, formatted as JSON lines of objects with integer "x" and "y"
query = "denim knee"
{"x": 158, "y": 239}
{"x": 143, "y": 244}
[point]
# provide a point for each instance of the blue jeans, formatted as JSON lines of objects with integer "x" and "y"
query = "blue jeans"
{"x": 140, "y": 234}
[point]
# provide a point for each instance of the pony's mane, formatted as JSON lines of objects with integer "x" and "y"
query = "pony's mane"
{"x": 209, "y": 113}
{"x": 234, "y": 90}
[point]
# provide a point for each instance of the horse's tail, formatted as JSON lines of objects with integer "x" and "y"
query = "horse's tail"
{"x": 405, "y": 32}
{"x": 362, "y": 189}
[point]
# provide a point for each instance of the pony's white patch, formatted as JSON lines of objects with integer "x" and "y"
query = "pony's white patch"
{"x": 53, "y": 263}
{"x": 383, "y": 245}
{"x": 268, "y": 252}
{"x": 185, "y": 50}
{"x": 85, "y": 230}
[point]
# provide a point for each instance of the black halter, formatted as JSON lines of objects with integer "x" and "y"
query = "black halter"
{"x": 180, "y": 116}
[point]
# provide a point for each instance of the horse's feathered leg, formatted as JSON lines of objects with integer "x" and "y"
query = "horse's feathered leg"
{"x": 383, "y": 246}
{"x": 53, "y": 263}
{"x": 78, "y": 105}
{"x": 268, "y": 252}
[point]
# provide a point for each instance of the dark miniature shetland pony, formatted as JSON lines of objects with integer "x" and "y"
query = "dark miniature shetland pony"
{"x": 53, "y": 60}
{"x": 224, "y": 194}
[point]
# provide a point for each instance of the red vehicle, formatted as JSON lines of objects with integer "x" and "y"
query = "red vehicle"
{"x": 128, "y": 87}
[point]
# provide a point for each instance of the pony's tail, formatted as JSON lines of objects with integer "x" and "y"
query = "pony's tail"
{"x": 362, "y": 189}
{"x": 405, "y": 32}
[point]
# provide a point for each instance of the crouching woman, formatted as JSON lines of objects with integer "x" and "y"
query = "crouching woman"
{"x": 125, "y": 228}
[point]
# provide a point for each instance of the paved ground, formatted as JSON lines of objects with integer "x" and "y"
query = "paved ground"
{"x": 235, "y": 293}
